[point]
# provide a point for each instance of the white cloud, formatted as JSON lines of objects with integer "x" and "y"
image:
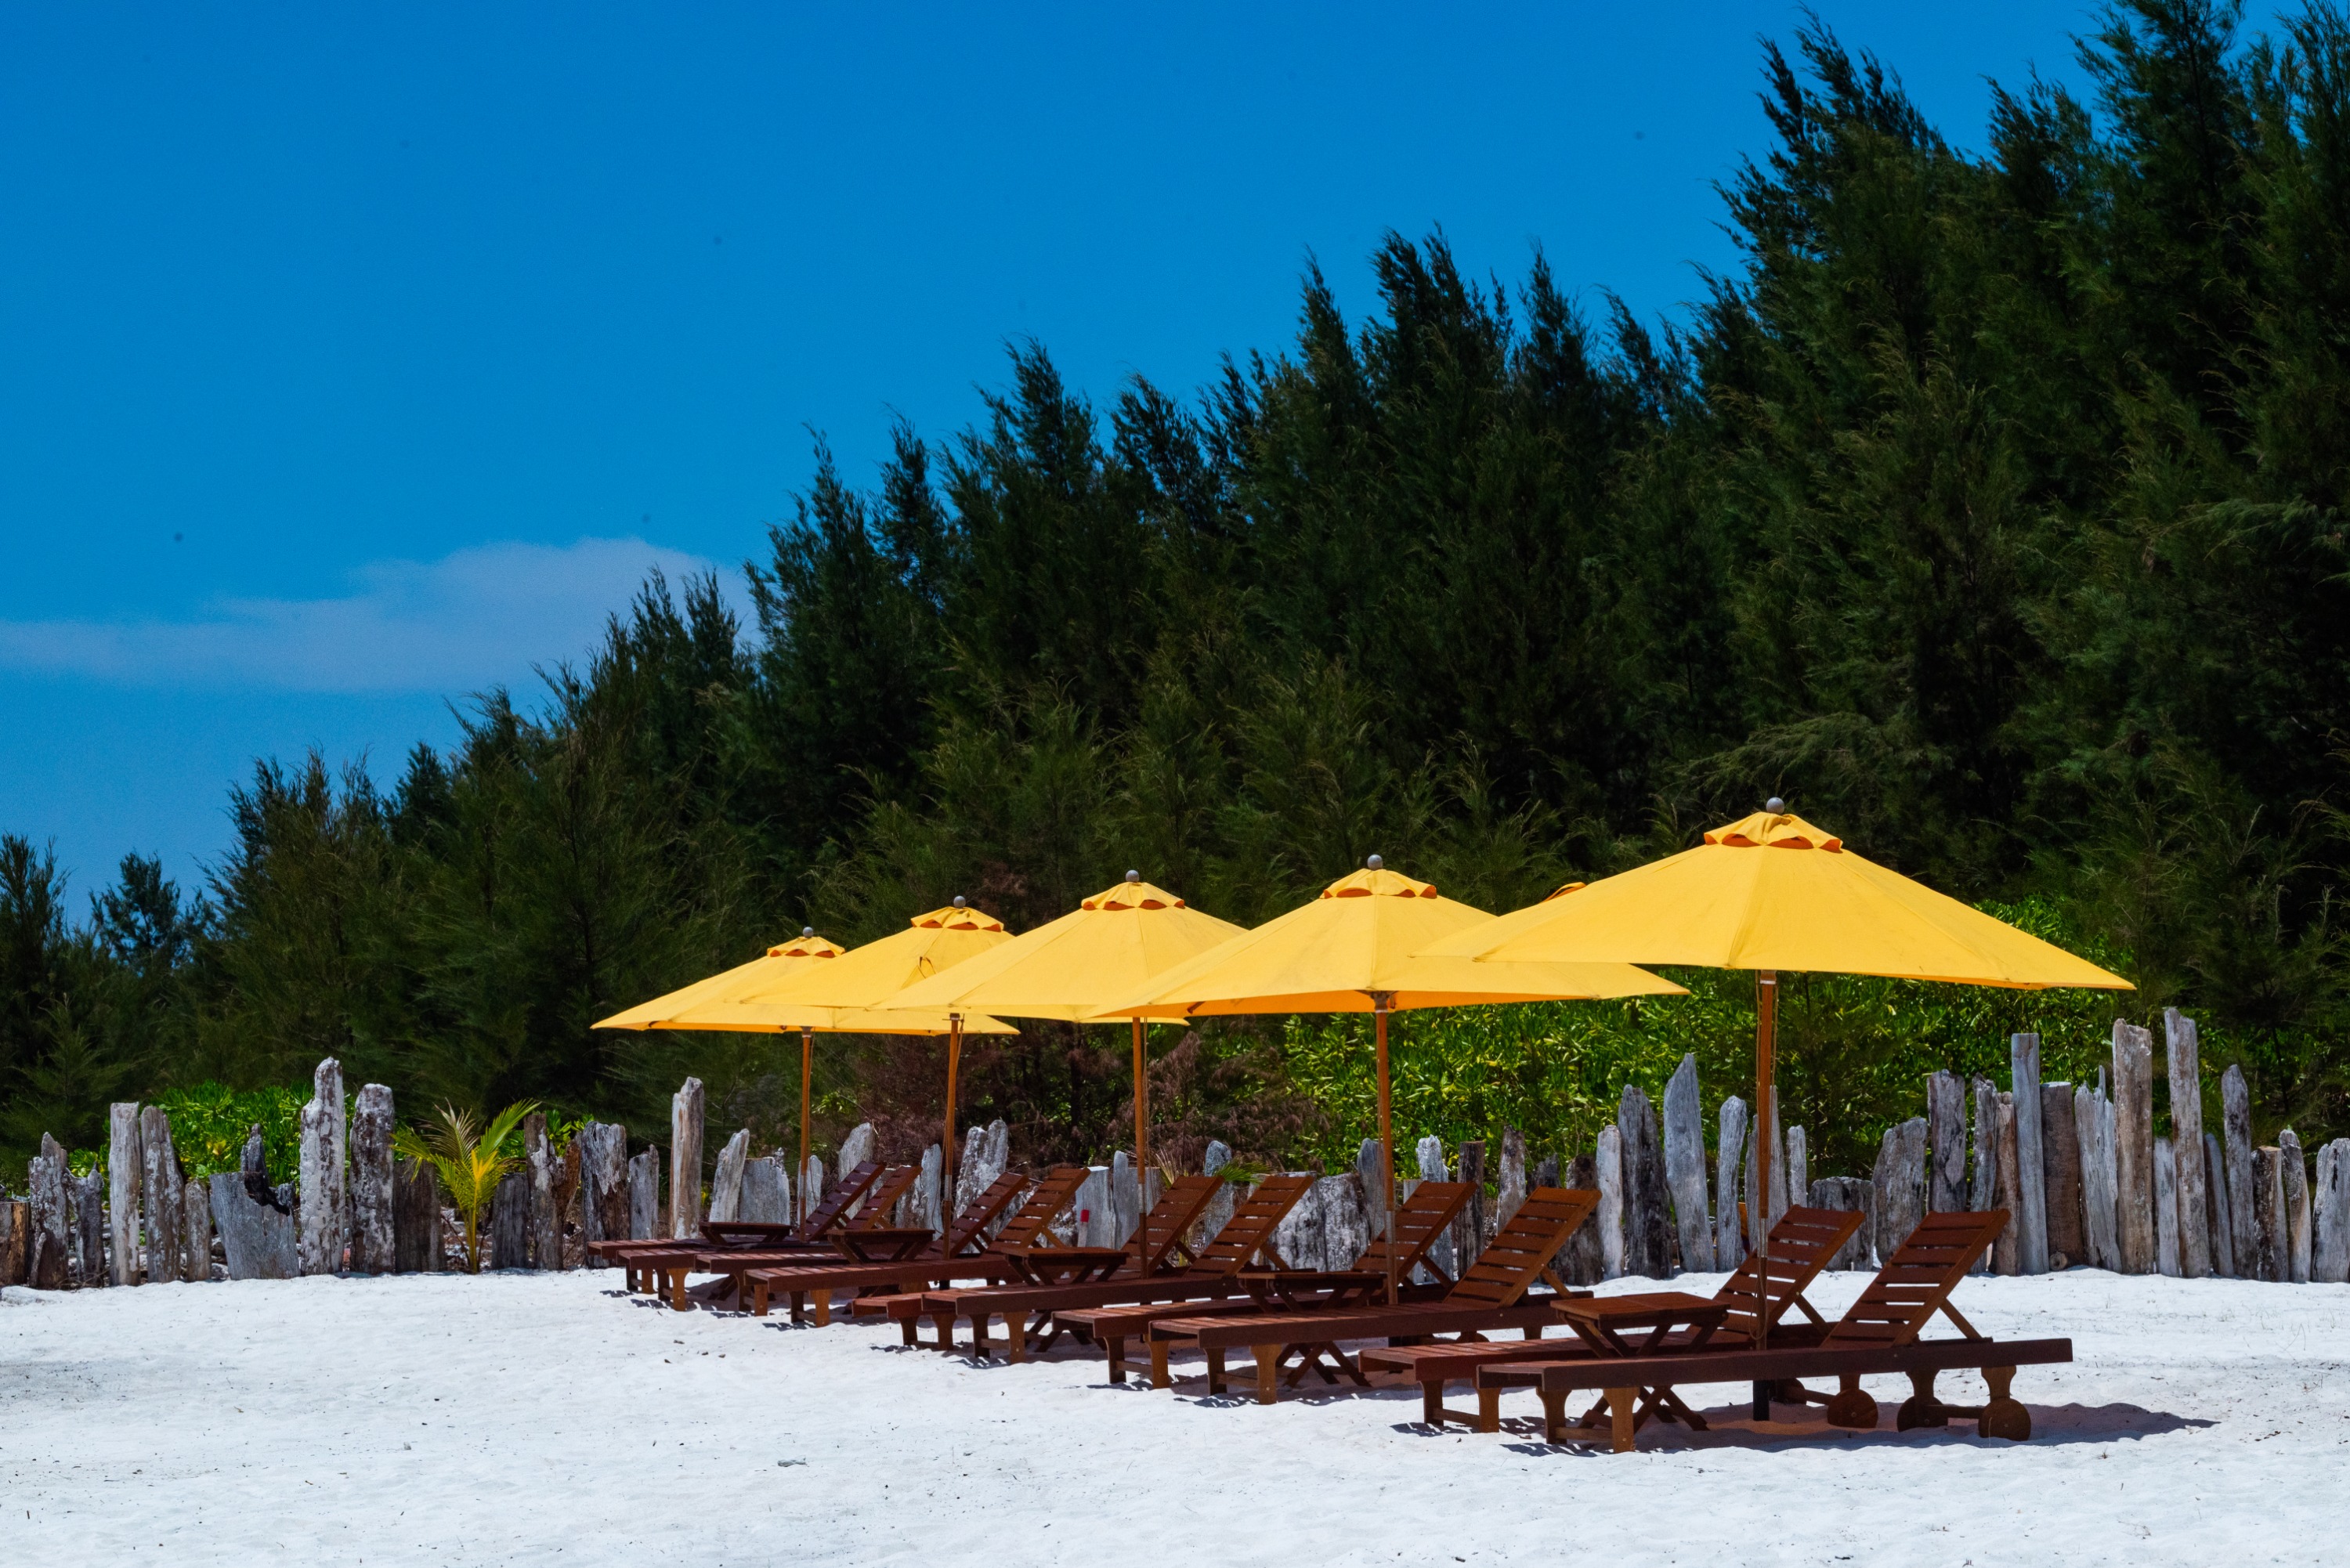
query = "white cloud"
{"x": 475, "y": 618}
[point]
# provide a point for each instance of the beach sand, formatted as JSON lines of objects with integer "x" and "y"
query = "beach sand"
{"x": 540, "y": 1418}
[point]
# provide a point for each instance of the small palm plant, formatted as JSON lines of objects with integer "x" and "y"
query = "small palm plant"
{"x": 470, "y": 1165}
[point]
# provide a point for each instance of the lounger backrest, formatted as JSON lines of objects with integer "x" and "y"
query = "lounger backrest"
{"x": 1031, "y": 1225}
{"x": 1524, "y": 1248}
{"x": 1250, "y": 1229}
{"x": 1161, "y": 1230}
{"x": 828, "y": 1214}
{"x": 1916, "y": 1282}
{"x": 882, "y": 1199}
{"x": 1420, "y": 1220}
{"x": 1801, "y": 1242}
{"x": 967, "y": 1232}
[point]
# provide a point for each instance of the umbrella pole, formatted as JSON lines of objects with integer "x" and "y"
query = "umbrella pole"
{"x": 1766, "y": 1030}
{"x": 808, "y": 1071}
{"x": 946, "y": 1141}
{"x": 1142, "y": 1116}
{"x": 1380, "y": 1004}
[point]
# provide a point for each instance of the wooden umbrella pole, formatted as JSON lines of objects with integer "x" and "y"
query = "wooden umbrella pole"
{"x": 1379, "y": 1002}
{"x": 808, "y": 1071}
{"x": 1141, "y": 1115}
{"x": 946, "y": 1141}
{"x": 1766, "y": 1030}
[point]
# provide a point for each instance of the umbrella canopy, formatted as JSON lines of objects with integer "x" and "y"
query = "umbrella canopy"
{"x": 778, "y": 962}
{"x": 1361, "y": 940}
{"x": 1354, "y": 950}
{"x": 1773, "y": 892}
{"x": 1107, "y": 947}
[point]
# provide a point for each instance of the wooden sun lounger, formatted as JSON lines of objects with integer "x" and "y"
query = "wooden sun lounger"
{"x": 1802, "y": 1243}
{"x": 1490, "y": 1296}
{"x": 1420, "y": 1220}
{"x": 1028, "y": 1230}
{"x": 851, "y": 1187}
{"x": 1041, "y": 1312}
{"x": 959, "y": 1254}
{"x": 1879, "y": 1335}
{"x": 869, "y": 1227}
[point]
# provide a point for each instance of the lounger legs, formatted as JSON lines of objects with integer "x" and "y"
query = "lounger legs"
{"x": 1851, "y": 1408}
{"x": 2004, "y": 1416}
{"x": 1268, "y": 1371}
{"x": 1623, "y": 1410}
{"x": 1114, "y": 1346}
{"x": 1921, "y": 1408}
{"x": 1554, "y": 1406}
{"x": 1160, "y": 1376}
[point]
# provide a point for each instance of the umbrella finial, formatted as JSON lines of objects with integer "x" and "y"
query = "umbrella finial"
{"x": 807, "y": 930}
{"x": 1134, "y": 876}
{"x": 1774, "y": 805}
{"x": 1373, "y": 862}
{"x": 959, "y": 904}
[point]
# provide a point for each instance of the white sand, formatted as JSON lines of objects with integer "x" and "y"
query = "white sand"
{"x": 534, "y": 1419}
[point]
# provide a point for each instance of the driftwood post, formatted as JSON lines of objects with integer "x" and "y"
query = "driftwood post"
{"x": 87, "y": 1195}
{"x": 1344, "y": 1231}
{"x": 510, "y": 1222}
{"x": 373, "y": 1238}
{"x": 1469, "y": 1226}
{"x": 125, "y": 1166}
{"x": 2236, "y": 1118}
{"x": 320, "y": 1176}
{"x": 2329, "y": 1257}
{"x": 2007, "y": 1252}
{"x": 644, "y": 1197}
{"x": 1685, "y": 1166}
{"x": 1799, "y": 1163}
{"x": 2060, "y": 1152}
{"x": 2183, "y": 1051}
{"x": 2219, "y": 1206}
{"x": 1298, "y": 1237}
{"x": 1510, "y": 1195}
{"x": 1899, "y": 1183}
{"x": 1433, "y": 1168}
{"x": 1125, "y": 1194}
{"x": 809, "y": 1191}
{"x": 2297, "y": 1245}
{"x": 2268, "y": 1212}
{"x": 604, "y": 1185}
{"x": 1983, "y": 1191}
{"x": 2031, "y": 1191}
{"x": 1609, "y": 1157}
{"x": 415, "y": 1219}
{"x": 1729, "y": 1240}
{"x": 726, "y": 1181}
{"x": 685, "y": 1160}
{"x": 2093, "y": 1124}
{"x": 160, "y": 1178}
{"x": 1849, "y": 1195}
{"x": 195, "y": 1231}
{"x": 44, "y": 1193}
{"x": 544, "y": 1243}
{"x": 1218, "y": 1209}
{"x": 766, "y": 1189}
{"x": 2166, "y": 1209}
{"x": 1946, "y": 1137}
{"x": 1583, "y": 1264}
{"x": 256, "y": 1238}
{"x": 1647, "y": 1238}
{"x": 2134, "y": 1147}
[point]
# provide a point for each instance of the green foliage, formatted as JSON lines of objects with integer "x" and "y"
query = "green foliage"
{"x": 1991, "y": 510}
{"x": 210, "y": 1123}
{"x": 468, "y": 1160}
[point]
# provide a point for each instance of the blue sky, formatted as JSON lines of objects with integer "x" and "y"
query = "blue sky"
{"x": 359, "y": 360}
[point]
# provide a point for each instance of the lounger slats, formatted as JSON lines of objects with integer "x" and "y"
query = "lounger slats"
{"x": 1916, "y": 1282}
{"x": 1254, "y": 1218}
{"x": 1418, "y": 1220}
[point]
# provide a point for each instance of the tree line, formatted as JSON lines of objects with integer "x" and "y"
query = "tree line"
{"x": 1989, "y": 510}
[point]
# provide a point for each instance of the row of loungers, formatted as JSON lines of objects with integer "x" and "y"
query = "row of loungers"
{"x": 1235, "y": 1291}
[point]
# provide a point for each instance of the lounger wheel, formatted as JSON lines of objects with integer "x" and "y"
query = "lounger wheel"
{"x": 1921, "y": 1408}
{"x": 1851, "y": 1408}
{"x": 2004, "y": 1416}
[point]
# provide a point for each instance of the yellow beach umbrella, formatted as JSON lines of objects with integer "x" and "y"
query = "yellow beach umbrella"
{"x": 1772, "y": 892}
{"x": 1106, "y": 948}
{"x": 1356, "y": 948}
{"x": 864, "y": 980}
{"x": 717, "y": 1003}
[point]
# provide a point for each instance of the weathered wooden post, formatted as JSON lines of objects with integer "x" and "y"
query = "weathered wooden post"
{"x": 1609, "y": 1159}
{"x": 1983, "y": 1189}
{"x": 685, "y": 1117}
{"x": 2269, "y": 1213}
{"x": 1468, "y": 1225}
{"x": 1431, "y": 1152}
{"x": 2166, "y": 1209}
{"x": 195, "y": 1231}
{"x": 86, "y": 1196}
{"x": 2007, "y": 1252}
{"x": 2219, "y": 1206}
{"x": 2329, "y": 1258}
{"x": 257, "y": 1238}
{"x": 415, "y": 1219}
{"x": 546, "y": 1239}
{"x": 726, "y": 1179}
{"x": 645, "y": 1221}
{"x": 1799, "y": 1163}
{"x": 125, "y": 1168}
{"x": 1125, "y": 1197}
{"x": 1946, "y": 1136}
{"x": 2093, "y": 1124}
{"x": 809, "y": 1190}
{"x": 324, "y": 1195}
{"x": 1685, "y": 1166}
{"x": 2297, "y": 1247}
{"x": 1298, "y": 1237}
{"x": 1849, "y": 1195}
{"x": 1213, "y": 1218}
{"x": 1583, "y": 1264}
{"x": 373, "y": 1238}
{"x": 2183, "y": 1051}
{"x": 2133, "y": 1146}
{"x": 1728, "y": 1238}
{"x": 857, "y": 1148}
{"x": 160, "y": 1180}
{"x": 766, "y": 1189}
{"x": 1346, "y": 1230}
{"x": 510, "y": 1222}
{"x": 2031, "y": 1193}
{"x": 2236, "y": 1118}
{"x": 1647, "y": 1242}
{"x": 44, "y": 1196}
{"x": 1899, "y": 1183}
{"x": 2060, "y": 1153}
{"x": 15, "y": 1239}
{"x": 1511, "y": 1194}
